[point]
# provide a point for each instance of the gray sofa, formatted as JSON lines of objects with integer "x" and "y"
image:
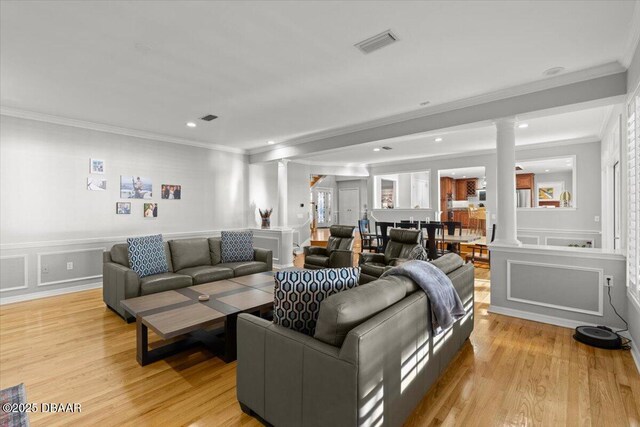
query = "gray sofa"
{"x": 371, "y": 361}
{"x": 190, "y": 262}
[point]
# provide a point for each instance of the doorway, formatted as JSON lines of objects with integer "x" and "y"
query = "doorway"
{"x": 349, "y": 206}
{"x": 324, "y": 205}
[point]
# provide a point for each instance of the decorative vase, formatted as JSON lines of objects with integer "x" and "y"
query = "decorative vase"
{"x": 266, "y": 218}
{"x": 266, "y": 223}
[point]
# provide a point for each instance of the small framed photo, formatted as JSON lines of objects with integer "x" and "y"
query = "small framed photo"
{"x": 96, "y": 166}
{"x": 123, "y": 208}
{"x": 96, "y": 184}
{"x": 171, "y": 191}
{"x": 150, "y": 210}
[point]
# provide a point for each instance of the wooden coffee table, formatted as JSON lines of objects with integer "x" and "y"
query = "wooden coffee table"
{"x": 180, "y": 319}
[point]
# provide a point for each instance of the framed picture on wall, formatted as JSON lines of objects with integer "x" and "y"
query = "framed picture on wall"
{"x": 150, "y": 210}
{"x": 550, "y": 190}
{"x": 96, "y": 166}
{"x": 135, "y": 187}
{"x": 96, "y": 184}
{"x": 171, "y": 191}
{"x": 123, "y": 208}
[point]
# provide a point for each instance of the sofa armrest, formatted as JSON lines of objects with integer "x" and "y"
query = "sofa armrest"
{"x": 369, "y": 257}
{"x": 315, "y": 250}
{"x": 119, "y": 283}
{"x": 340, "y": 258}
{"x": 285, "y": 376}
{"x": 264, "y": 255}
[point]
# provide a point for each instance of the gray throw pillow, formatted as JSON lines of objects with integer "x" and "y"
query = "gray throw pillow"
{"x": 418, "y": 253}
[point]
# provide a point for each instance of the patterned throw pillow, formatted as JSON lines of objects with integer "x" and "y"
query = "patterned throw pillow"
{"x": 146, "y": 255}
{"x": 418, "y": 253}
{"x": 236, "y": 246}
{"x": 298, "y": 293}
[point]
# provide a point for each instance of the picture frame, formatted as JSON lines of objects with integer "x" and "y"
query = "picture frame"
{"x": 549, "y": 191}
{"x": 150, "y": 210}
{"x": 135, "y": 187}
{"x": 96, "y": 183}
{"x": 171, "y": 191}
{"x": 123, "y": 208}
{"x": 96, "y": 166}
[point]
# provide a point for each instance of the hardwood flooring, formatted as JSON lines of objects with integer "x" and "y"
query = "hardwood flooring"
{"x": 513, "y": 372}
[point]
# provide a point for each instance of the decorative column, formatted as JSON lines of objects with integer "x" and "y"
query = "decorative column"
{"x": 283, "y": 196}
{"x": 506, "y": 226}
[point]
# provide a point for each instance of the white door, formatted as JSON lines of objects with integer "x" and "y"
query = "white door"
{"x": 348, "y": 206}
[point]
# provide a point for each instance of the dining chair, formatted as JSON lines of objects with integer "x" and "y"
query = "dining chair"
{"x": 382, "y": 230}
{"x": 480, "y": 251}
{"x": 368, "y": 240}
{"x": 435, "y": 235}
{"x": 408, "y": 224}
{"x": 451, "y": 227}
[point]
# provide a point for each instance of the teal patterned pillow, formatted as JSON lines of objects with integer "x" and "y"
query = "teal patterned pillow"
{"x": 236, "y": 246}
{"x": 298, "y": 293}
{"x": 146, "y": 255}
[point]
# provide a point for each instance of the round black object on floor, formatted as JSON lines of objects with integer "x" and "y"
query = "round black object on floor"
{"x": 598, "y": 337}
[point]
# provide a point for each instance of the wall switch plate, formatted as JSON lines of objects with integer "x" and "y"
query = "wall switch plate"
{"x": 608, "y": 281}
{"x": 45, "y": 269}
{"x": 69, "y": 266}
{"x": 596, "y": 218}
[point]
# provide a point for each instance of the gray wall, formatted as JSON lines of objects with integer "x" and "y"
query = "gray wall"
{"x": 263, "y": 192}
{"x": 361, "y": 185}
{"x": 633, "y": 73}
{"x": 48, "y": 217}
{"x": 298, "y": 177}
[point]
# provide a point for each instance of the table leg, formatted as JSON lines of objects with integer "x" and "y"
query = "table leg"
{"x": 230, "y": 336}
{"x": 142, "y": 351}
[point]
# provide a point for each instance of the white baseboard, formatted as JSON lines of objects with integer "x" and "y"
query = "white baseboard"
{"x": 558, "y": 321}
{"x": 281, "y": 266}
{"x": 49, "y": 293}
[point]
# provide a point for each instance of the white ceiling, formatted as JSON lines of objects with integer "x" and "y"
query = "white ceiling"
{"x": 280, "y": 70}
{"x": 564, "y": 164}
{"x": 575, "y": 125}
{"x": 470, "y": 172}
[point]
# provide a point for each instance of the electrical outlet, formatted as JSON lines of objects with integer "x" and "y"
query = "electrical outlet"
{"x": 45, "y": 269}
{"x": 69, "y": 266}
{"x": 608, "y": 281}
{"x": 596, "y": 218}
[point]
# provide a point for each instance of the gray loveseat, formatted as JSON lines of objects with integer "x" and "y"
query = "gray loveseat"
{"x": 190, "y": 262}
{"x": 371, "y": 361}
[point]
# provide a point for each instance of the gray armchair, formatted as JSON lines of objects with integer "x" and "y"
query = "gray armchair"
{"x": 338, "y": 253}
{"x": 401, "y": 243}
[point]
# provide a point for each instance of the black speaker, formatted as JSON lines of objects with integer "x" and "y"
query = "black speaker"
{"x": 600, "y": 336}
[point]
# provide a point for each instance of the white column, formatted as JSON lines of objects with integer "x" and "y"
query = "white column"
{"x": 283, "y": 193}
{"x": 506, "y": 226}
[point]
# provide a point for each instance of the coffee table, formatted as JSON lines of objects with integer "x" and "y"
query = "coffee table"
{"x": 180, "y": 319}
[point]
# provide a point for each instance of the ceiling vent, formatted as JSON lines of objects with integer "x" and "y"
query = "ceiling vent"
{"x": 377, "y": 42}
{"x": 208, "y": 117}
{"x": 387, "y": 148}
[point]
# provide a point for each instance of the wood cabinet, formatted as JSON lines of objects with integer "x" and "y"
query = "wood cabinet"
{"x": 446, "y": 188}
{"x": 524, "y": 181}
{"x": 461, "y": 216}
{"x": 465, "y": 188}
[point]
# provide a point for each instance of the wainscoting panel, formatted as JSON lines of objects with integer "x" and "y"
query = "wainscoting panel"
{"x": 52, "y": 266}
{"x": 564, "y": 287}
{"x": 529, "y": 240}
{"x": 566, "y": 241}
{"x": 14, "y": 273}
{"x": 268, "y": 242}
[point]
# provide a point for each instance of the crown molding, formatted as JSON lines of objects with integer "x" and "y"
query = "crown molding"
{"x": 634, "y": 37}
{"x": 524, "y": 89}
{"x": 100, "y": 127}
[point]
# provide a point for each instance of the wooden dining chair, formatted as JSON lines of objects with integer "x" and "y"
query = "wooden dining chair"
{"x": 435, "y": 238}
{"x": 368, "y": 240}
{"x": 480, "y": 251}
{"x": 408, "y": 224}
{"x": 382, "y": 230}
{"x": 451, "y": 227}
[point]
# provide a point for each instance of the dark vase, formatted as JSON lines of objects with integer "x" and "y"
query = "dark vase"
{"x": 266, "y": 223}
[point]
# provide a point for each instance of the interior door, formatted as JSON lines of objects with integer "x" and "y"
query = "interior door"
{"x": 348, "y": 206}
{"x": 324, "y": 204}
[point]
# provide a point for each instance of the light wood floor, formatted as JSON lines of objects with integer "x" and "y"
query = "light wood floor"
{"x": 513, "y": 372}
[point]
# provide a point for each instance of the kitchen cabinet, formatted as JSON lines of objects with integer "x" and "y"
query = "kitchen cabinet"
{"x": 461, "y": 189}
{"x": 446, "y": 188}
{"x": 461, "y": 216}
{"x": 524, "y": 181}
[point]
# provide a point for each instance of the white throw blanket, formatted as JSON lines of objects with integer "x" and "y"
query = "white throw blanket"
{"x": 446, "y": 306}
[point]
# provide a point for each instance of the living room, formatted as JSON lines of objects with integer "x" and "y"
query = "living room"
{"x": 222, "y": 127}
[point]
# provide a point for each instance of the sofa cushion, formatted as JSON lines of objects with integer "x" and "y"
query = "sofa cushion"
{"x": 344, "y": 311}
{"x": 237, "y": 246}
{"x": 448, "y": 262}
{"x": 187, "y": 253}
{"x": 244, "y": 268}
{"x": 147, "y": 256}
{"x": 120, "y": 254}
{"x": 298, "y": 294}
{"x": 319, "y": 260}
{"x": 374, "y": 269}
{"x": 215, "y": 250}
{"x": 206, "y": 274}
{"x": 163, "y": 282}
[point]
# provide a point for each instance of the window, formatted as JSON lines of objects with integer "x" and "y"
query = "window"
{"x": 633, "y": 159}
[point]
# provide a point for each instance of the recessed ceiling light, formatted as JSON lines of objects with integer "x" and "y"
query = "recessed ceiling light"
{"x": 464, "y": 176}
{"x": 270, "y": 142}
{"x": 438, "y": 139}
{"x": 376, "y": 149}
{"x": 191, "y": 124}
{"x": 425, "y": 103}
{"x": 453, "y": 173}
{"x": 546, "y": 170}
{"x": 523, "y": 125}
{"x": 553, "y": 71}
